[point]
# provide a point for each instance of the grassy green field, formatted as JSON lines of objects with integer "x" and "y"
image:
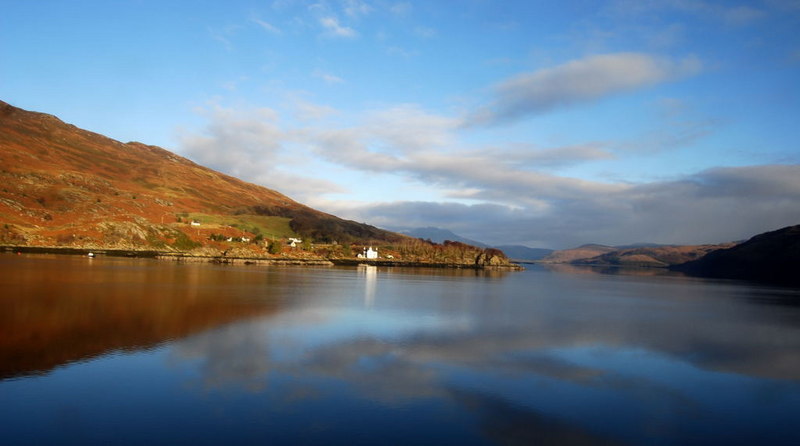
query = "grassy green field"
{"x": 269, "y": 227}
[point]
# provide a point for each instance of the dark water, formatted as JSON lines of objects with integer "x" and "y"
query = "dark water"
{"x": 116, "y": 351}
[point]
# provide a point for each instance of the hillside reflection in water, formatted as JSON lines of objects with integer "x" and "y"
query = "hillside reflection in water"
{"x": 135, "y": 351}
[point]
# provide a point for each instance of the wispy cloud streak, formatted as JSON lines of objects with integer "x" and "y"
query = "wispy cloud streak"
{"x": 578, "y": 81}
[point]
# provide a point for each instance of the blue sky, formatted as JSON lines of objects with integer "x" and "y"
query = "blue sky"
{"x": 543, "y": 123}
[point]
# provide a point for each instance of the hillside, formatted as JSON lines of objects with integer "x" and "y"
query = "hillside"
{"x": 771, "y": 257}
{"x": 64, "y": 186}
{"x": 653, "y": 256}
{"x": 579, "y": 253}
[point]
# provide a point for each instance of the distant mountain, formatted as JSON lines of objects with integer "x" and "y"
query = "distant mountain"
{"x": 640, "y": 245}
{"x": 64, "y": 186}
{"x": 771, "y": 257}
{"x": 520, "y": 252}
{"x": 652, "y": 256}
{"x": 579, "y": 253}
{"x": 439, "y": 235}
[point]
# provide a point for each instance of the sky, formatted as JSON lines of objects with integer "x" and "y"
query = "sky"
{"x": 541, "y": 123}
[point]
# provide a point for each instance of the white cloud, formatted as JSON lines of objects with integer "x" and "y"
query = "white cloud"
{"x": 409, "y": 127}
{"x": 236, "y": 143}
{"x": 225, "y": 35}
{"x": 267, "y": 26}
{"x": 545, "y": 158}
{"x": 328, "y": 78}
{"x": 334, "y": 28}
{"x": 250, "y": 144}
{"x": 302, "y": 188}
{"x": 308, "y": 111}
{"x": 579, "y": 81}
{"x": 412, "y": 143}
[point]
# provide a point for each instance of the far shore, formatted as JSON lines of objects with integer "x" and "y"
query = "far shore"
{"x": 275, "y": 261}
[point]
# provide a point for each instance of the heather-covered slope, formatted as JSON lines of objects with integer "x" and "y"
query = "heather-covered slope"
{"x": 579, "y": 253}
{"x": 64, "y": 186}
{"x": 653, "y": 256}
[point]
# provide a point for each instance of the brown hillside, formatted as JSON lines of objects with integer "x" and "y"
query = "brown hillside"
{"x": 581, "y": 252}
{"x": 657, "y": 256}
{"x": 62, "y": 185}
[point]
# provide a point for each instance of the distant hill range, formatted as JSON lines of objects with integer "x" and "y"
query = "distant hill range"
{"x": 638, "y": 255}
{"x": 770, "y": 257}
{"x": 64, "y": 186}
{"x": 652, "y": 256}
{"x": 580, "y": 253}
{"x": 439, "y": 235}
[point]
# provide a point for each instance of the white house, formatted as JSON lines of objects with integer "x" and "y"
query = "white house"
{"x": 195, "y": 223}
{"x": 293, "y": 242}
{"x": 371, "y": 253}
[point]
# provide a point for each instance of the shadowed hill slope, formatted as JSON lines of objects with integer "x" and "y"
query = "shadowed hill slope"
{"x": 771, "y": 257}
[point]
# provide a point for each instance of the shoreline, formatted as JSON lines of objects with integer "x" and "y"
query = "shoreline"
{"x": 276, "y": 261}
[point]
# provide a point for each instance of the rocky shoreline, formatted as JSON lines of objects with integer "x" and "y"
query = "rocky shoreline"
{"x": 418, "y": 264}
{"x": 234, "y": 260}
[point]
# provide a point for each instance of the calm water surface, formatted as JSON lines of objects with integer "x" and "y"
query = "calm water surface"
{"x": 118, "y": 351}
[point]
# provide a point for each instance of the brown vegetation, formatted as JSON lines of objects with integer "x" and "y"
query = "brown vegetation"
{"x": 658, "y": 256}
{"x": 579, "y": 253}
{"x": 64, "y": 186}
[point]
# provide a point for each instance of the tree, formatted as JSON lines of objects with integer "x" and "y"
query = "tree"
{"x": 274, "y": 247}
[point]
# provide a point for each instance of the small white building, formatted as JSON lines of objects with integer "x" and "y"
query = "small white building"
{"x": 371, "y": 253}
{"x": 293, "y": 242}
{"x": 195, "y": 223}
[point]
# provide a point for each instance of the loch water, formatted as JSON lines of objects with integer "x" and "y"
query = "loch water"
{"x": 143, "y": 352}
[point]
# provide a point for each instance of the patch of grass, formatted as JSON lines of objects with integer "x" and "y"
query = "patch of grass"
{"x": 184, "y": 243}
{"x": 267, "y": 226}
{"x": 154, "y": 241}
